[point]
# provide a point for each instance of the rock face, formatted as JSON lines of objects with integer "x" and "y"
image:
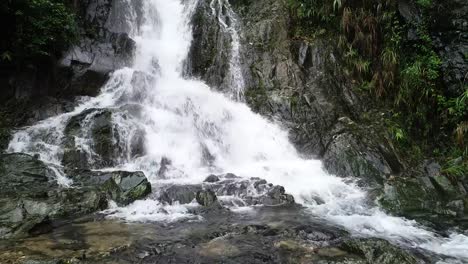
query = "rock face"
{"x": 100, "y": 130}
{"x": 303, "y": 84}
{"x": 104, "y": 46}
{"x": 31, "y": 198}
{"x": 449, "y": 31}
{"x": 211, "y": 47}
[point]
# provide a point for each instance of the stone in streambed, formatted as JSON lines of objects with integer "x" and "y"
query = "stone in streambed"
{"x": 122, "y": 187}
{"x": 206, "y": 198}
{"x": 378, "y": 251}
{"x": 212, "y": 178}
{"x": 266, "y": 193}
{"x": 183, "y": 194}
{"x": 31, "y": 199}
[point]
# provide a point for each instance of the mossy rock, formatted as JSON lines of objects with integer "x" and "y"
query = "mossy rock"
{"x": 32, "y": 200}
{"x": 123, "y": 187}
{"x": 378, "y": 251}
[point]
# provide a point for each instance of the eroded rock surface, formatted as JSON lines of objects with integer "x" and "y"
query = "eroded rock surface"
{"x": 31, "y": 199}
{"x": 230, "y": 190}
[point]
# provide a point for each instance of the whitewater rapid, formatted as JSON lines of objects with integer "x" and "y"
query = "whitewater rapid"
{"x": 183, "y": 119}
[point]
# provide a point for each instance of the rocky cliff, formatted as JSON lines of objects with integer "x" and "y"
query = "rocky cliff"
{"x": 304, "y": 85}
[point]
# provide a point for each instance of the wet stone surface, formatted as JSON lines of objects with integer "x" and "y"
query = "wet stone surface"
{"x": 230, "y": 190}
{"x": 264, "y": 235}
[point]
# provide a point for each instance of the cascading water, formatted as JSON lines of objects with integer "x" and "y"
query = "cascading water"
{"x": 201, "y": 131}
{"x": 223, "y": 11}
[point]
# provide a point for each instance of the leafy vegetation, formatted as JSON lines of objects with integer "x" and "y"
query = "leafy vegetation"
{"x": 35, "y": 28}
{"x": 402, "y": 73}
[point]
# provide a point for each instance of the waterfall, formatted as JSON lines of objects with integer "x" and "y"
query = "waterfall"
{"x": 201, "y": 131}
{"x": 223, "y": 11}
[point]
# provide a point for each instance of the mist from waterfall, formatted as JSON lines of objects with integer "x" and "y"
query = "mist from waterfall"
{"x": 201, "y": 131}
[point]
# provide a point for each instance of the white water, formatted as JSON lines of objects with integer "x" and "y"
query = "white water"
{"x": 183, "y": 119}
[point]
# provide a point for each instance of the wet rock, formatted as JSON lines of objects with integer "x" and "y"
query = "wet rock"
{"x": 103, "y": 48}
{"x": 212, "y": 178}
{"x": 32, "y": 196}
{"x": 94, "y": 128}
{"x": 378, "y": 251}
{"x": 164, "y": 166}
{"x": 277, "y": 196}
{"x": 253, "y": 191}
{"x": 87, "y": 65}
{"x": 122, "y": 187}
{"x": 210, "y": 50}
{"x": 101, "y": 138}
{"x": 183, "y": 194}
{"x": 422, "y": 199}
{"x": 448, "y": 26}
{"x": 230, "y": 176}
{"x": 206, "y": 198}
{"x": 32, "y": 199}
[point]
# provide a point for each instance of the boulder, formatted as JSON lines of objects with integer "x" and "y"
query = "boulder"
{"x": 206, "y": 198}
{"x": 101, "y": 144}
{"x": 183, "y": 194}
{"x": 123, "y": 187}
{"x": 423, "y": 199}
{"x": 212, "y": 178}
{"x": 253, "y": 191}
{"x": 277, "y": 196}
{"x": 378, "y": 251}
{"x": 32, "y": 200}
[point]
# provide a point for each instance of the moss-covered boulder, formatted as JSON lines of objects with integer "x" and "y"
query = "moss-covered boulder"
{"x": 32, "y": 200}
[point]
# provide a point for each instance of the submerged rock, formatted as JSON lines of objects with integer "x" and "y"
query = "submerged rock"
{"x": 32, "y": 200}
{"x": 206, "y": 198}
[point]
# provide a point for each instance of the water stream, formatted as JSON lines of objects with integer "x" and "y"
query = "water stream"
{"x": 202, "y": 131}
{"x": 223, "y": 11}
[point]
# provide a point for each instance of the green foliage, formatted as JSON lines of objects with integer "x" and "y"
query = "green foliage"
{"x": 424, "y": 3}
{"x": 404, "y": 74}
{"x": 256, "y": 97}
{"x": 456, "y": 167}
{"x": 312, "y": 16}
{"x": 41, "y": 28}
{"x": 6, "y": 56}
